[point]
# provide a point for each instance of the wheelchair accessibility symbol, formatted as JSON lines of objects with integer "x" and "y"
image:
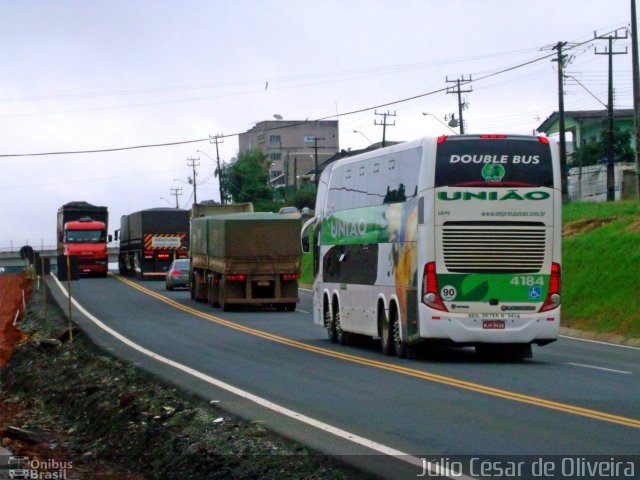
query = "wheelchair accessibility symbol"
{"x": 535, "y": 293}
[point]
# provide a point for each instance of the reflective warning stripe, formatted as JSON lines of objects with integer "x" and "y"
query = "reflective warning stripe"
{"x": 148, "y": 240}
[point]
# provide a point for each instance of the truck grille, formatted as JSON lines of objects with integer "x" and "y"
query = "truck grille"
{"x": 488, "y": 247}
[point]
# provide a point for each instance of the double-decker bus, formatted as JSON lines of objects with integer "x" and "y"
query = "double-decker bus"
{"x": 453, "y": 239}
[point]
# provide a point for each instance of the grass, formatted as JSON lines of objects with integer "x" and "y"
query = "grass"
{"x": 601, "y": 267}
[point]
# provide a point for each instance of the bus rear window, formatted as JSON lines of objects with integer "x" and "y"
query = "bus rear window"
{"x": 504, "y": 162}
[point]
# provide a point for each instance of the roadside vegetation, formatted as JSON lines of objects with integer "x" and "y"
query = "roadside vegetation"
{"x": 601, "y": 267}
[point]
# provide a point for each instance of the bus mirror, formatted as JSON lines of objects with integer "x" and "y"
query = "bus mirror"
{"x": 109, "y": 238}
{"x": 305, "y": 244}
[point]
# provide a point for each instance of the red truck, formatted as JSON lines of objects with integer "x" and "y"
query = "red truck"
{"x": 82, "y": 233}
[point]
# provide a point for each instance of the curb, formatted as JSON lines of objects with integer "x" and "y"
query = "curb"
{"x": 612, "y": 338}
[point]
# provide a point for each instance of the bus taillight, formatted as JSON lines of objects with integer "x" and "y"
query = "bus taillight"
{"x": 430, "y": 295}
{"x": 442, "y": 139}
{"x": 544, "y": 140}
{"x": 553, "y": 296}
{"x": 493, "y": 136}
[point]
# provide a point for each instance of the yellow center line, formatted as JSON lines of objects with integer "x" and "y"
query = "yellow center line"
{"x": 432, "y": 377}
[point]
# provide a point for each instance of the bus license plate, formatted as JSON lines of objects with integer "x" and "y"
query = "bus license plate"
{"x": 493, "y": 324}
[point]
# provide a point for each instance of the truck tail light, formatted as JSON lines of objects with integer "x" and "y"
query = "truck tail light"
{"x": 163, "y": 256}
{"x": 430, "y": 295}
{"x": 236, "y": 278}
{"x": 553, "y": 296}
{"x": 290, "y": 276}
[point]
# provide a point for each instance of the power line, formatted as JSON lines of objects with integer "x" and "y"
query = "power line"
{"x": 337, "y": 115}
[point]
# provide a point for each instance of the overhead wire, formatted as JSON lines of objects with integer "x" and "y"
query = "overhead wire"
{"x": 290, "y": 125}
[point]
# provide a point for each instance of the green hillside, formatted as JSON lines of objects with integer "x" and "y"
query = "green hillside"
{"x": 601, "y": 267}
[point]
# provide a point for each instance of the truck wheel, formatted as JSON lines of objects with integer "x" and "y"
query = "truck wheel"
{"x": 212, "y": 294}
{"x": 290, "y": 307}
{"x": 192, "y": 292}
{"x": 198, "y": 290}
{"x": 226, "y": 307}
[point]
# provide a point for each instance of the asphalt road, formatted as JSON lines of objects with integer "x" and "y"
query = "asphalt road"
{"x": 574, "y": 398}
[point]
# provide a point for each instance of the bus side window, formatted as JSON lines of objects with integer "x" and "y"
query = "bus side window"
{"x": 361, "y": 187}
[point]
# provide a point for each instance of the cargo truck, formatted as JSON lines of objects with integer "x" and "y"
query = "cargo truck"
{"x": 207, "y": 208}
{"x": 82, "y": 233}
{"x": 150, "y": 240}
{"x": 245, "y": 259}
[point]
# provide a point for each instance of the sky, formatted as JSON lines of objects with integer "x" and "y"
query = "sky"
{"x": 107, "y": 75}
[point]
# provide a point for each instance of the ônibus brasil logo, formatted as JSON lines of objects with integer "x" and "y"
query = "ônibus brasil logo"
{"x": 493, "y": 195}
{"x": 493, "y": 172}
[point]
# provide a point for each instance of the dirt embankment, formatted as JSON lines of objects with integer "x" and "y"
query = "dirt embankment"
{"x": 108, "y": 420}
{"x": 11, "y": 294}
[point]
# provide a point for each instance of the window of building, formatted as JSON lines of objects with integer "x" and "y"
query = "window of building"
{"x": 275, "y": 139}
{"x": 275, "y": 156}
{"x": 276, "y": 173}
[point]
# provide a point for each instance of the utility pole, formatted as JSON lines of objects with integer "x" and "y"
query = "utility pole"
{"x": 216, "y": 139}
{"x": 315, "y": 160}
{"x": 636, "y": 90}
{"x": 560, "y": 59}
{"x": 384, "y": 124}
{"x": 191, "y": 162}
{"x": 458, "y": 90}
{"x": 611, "y": 192}
{"x": 176, "y": 192}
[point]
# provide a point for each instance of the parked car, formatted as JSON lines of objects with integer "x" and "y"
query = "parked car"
{"x": 178, "y": 274}
{"x": 291, "y": 211}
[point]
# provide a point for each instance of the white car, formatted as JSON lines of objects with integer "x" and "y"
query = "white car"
{"x": 291, "y": 211}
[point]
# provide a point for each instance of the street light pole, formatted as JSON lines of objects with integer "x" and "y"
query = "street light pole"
{"x": 432, "y": 115}
{"x": 367, "y": 138}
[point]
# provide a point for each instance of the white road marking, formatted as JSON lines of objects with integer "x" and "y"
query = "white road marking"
{"x": 301, "y": 311}
{"x": 594, "y": 367}
{"x": 378, "y": 447}
{"x": 608, "y": 344}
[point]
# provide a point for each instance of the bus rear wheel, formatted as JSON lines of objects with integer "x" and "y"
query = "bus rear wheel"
{"x": 399, "y": 346}
{"x": 386, "y": 333}
{"x": 342, "y": 337}
{"x": 329, "y": 324}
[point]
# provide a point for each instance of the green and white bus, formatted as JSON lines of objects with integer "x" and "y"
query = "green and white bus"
{"x": 453, "y": 239}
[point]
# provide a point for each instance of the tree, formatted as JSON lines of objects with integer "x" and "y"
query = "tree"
{"x": 593, "y": 153}
{"x": 247, "y": 177}
{"x": 303, "y": 198}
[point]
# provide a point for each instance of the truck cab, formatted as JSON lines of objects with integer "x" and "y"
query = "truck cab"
{"x": 87, "y": 239}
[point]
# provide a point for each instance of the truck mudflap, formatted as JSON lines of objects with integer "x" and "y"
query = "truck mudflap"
{"x": 263, "y": 290}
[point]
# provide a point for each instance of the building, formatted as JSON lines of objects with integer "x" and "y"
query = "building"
{"x": 291, "y": 146}
{"x": 586, "y": 126}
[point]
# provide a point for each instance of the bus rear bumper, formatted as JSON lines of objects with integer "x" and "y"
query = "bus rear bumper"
{"x": 472, "y": 329}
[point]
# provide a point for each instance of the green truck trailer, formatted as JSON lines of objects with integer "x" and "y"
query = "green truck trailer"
{"x": 245, "y": 259}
